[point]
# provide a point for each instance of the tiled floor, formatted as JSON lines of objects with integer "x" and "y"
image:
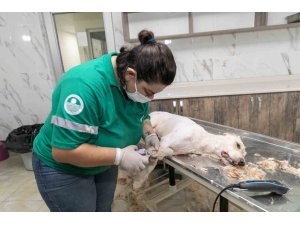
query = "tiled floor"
{"x": 18, "y": 190}
{"x": 19, "y": 193}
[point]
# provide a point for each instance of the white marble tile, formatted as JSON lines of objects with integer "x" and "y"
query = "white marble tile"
{"x": 256, "y": 54}
{"x": 26, "y": 81}
{"x": 241, "y": 55}
{"x": 275, "y": 18}
{"x": 158, "y": 22}
{"x": 118, "y": 30}
{"x": 211, "y": 21}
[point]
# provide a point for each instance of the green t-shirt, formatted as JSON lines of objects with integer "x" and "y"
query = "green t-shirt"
{"x": 88, "y": 106}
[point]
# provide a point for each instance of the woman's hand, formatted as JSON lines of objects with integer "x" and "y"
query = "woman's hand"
{"x": 152, "y": 141}
{"x": 132, "y": 161}
{"x": 150, "y": 137}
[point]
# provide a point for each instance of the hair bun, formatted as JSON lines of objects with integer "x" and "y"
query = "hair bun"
{"x": 124, "y": 49}
{"x": 145, "y": 36}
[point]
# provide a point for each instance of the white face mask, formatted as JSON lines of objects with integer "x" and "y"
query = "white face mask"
{"x": 137, "y": 96}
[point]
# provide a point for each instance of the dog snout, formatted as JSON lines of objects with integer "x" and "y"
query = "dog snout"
{"x": 241, "y": 162}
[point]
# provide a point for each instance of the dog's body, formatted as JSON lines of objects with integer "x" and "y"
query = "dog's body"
{"x": 184, "y": 136}
{"x": 180, "y": 135}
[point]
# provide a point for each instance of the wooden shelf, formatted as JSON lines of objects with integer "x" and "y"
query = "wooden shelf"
{"x": 260, "y": 25}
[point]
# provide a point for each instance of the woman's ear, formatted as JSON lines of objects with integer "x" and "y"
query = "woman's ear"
{"x": 130, "y": 74}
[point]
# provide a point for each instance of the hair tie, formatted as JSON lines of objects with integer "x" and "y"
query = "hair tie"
{"x": 150, "y": 41}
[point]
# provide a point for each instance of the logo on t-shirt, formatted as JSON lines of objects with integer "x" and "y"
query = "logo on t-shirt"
{"x": 73, "y": 104}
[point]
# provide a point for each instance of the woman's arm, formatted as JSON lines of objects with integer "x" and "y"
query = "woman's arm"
{"x": 85, "y": 155}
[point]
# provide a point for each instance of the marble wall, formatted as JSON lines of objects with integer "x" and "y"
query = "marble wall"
{"x": 230, "y": 56}
{"x": 118, "y": 31}
{"x": 241, "y": 55}
{"x": 26, "y": 77}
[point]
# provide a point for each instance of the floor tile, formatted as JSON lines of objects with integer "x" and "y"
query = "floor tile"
{"x": 21, "y": 206}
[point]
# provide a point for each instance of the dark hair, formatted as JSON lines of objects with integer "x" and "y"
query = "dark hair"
{"x": 153, "y": 61}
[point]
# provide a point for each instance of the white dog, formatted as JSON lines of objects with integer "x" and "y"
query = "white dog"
{"x": 180, "y": 136}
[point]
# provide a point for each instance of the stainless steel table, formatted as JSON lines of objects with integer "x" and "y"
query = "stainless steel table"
{"x": 266, "y": 147}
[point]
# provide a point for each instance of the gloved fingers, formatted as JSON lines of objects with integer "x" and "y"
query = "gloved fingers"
{"x": 137, "y": 169}
{"x": 142, "y": 166}
{"x": 132, "y": 147}
{"x": 145, "y": 160}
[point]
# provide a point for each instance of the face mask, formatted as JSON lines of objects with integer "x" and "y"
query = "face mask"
{"x": 137, "y": 96}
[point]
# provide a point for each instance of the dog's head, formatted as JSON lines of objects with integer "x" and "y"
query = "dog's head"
{"x": 232, "y": 150}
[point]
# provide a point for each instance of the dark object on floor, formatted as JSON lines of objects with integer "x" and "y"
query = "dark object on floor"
{"x": 3, "y": 152}
{"x": 20, "y": 140}
{"x": 293, "y": 18}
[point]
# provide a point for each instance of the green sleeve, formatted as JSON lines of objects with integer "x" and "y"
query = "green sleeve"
{"x": 76, "y": 113}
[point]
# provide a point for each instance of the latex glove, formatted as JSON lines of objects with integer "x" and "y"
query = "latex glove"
{"x": 131, "y": 160}
{"x": 152, "y": 141}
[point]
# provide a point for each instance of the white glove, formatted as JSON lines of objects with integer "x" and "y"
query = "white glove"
{"x": 152, "y": 141}
{"x": 130, "y": 160}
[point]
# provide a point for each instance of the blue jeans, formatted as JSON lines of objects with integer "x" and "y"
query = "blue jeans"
{"x": 64, "y": 192}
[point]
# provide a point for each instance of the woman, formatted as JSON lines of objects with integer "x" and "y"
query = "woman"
{"x": 99, "y": 113}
